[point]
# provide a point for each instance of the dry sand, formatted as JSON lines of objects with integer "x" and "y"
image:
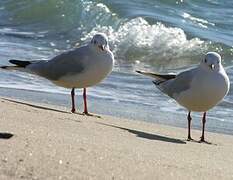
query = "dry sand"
{"x": 51, "y": 143}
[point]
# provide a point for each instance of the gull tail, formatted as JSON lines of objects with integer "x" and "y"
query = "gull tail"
{"x": 19, "y": 65}
{"x": 161, "y": 81}
{"x": 159, "y": 78}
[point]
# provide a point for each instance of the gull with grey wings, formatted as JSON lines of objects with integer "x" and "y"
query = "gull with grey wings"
{"x": 79, "y": 68}
{"x": 198, "y": 89}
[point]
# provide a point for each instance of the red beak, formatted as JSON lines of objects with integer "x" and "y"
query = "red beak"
{"x": 101, "y": 47}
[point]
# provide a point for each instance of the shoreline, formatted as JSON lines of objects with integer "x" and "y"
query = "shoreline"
{"x": 119, "y": 109}
{"x": 48, "y": 142}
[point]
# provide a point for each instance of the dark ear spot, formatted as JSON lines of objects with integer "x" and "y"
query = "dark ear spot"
{"x": 93, "y": 41}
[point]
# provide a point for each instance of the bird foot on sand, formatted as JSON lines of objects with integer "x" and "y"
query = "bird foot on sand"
{"x": 204, "y": 141}
{"x": 73, "y": 110}
{"x": 92, "y": 115}
{"x": 189, "y": 139}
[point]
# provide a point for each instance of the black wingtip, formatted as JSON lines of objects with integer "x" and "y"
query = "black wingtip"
{"x": 3, "y": 67}
{"x": 157, "y": 82}
{"x": 12, "y": 61}
{"x": 20, "y": 63}
{"x": 138, "y": 72}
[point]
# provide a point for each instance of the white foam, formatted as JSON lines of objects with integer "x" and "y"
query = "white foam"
{"x": 201, "y": 22}
{"x": 138, "y": 41}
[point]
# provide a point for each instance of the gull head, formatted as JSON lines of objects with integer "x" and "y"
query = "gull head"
{"x": 211, "y": 62}
{"x": 100, "y": 42}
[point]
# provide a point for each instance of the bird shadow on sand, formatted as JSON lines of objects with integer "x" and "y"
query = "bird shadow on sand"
{"x": 4, "y": 135}
{"x": 36, "y": 106}
{"x": 44, "y": 108}
{"x": 50, "y": 109}
{"x": 145, "y": 135}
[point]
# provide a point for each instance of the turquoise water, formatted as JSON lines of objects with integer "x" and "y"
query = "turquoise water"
{"x": 163, "y": 36}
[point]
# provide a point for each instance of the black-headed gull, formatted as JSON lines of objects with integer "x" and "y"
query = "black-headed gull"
{"x": 198, "y": 89}
{"x": 79, "y": 68}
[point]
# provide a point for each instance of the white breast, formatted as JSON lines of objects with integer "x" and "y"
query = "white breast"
{"x": 206, "y": 90}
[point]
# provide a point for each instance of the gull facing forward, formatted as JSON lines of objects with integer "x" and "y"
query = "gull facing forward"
{"x": 79, "y": 68}
{"x": 198, "y": 89}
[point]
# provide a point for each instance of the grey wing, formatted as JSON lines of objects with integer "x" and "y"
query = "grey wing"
{"x": 70, "y": 62}
{"x": 177, "y": 85}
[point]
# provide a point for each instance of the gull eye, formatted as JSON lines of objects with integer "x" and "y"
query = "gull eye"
{"x": 95, "y": 42}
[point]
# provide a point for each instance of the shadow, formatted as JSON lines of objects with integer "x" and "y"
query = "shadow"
{"x": 44, "y": 108}
{"x": 36, "y": 106}
{"x": 50, "y": 109}
{"x": 145, "y": 135}
{"x": 6, "y": 135}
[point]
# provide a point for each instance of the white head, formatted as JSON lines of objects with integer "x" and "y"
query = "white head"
{"x": 211, "y": 62}
{"x": 100, "y": 42}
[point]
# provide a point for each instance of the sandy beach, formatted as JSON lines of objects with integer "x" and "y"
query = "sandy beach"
{"x": 45, "y": 142}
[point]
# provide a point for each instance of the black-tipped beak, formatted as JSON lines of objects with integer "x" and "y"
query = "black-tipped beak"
{"x": 212, "y": 66}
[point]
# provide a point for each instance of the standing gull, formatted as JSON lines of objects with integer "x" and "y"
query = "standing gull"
{"x": 198, "y": 89}
{"x": 79, "y": 68}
